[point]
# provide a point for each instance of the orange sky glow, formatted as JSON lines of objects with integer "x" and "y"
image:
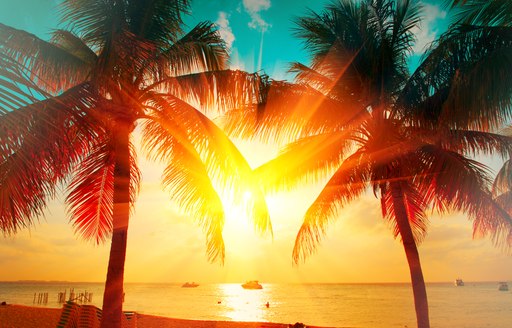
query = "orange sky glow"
{"x": 166, "y": 246}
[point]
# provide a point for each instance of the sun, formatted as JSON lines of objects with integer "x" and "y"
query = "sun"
{"x": 247, "y": 197}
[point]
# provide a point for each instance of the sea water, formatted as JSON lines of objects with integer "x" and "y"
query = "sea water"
{"x": 475, "y": 305}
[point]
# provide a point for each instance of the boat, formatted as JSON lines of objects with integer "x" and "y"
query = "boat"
{"x": 253, "y": 284}
{"x": 459, "y": 282}
{"x": 189, "y": 284}
{"x": 503, "y": 286}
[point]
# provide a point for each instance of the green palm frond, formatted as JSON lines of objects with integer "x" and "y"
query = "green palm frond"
{"x": 482, "y": 12}
{"x": 16, "y": 88}
{"x": 51, "y": 66}
{"x": 407, "y": 17}
{"x": 159, "y": 21}
{"x": 96, "y": 21}
{"x": 341, "y": 21}
{"x": 348, "y": 183}
{"x": 452, "y": 74}
{"x": 201, "y": 49}
{"x": 307, "y": 75}
{"x": 75, "y": 46}
{"x": 339, "y": 40}
{"x": 477, "y": 143}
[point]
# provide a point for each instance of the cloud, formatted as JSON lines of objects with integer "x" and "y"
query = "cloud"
{"x": 225, "y": 30}
{"x": 253, "y": 8}
{"x": 426, "y": 32}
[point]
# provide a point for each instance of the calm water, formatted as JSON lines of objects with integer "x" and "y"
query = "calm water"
{"x": 476, "y": 305}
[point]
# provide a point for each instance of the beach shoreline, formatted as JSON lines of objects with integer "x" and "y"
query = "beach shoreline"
{"x": 22, "y": 316}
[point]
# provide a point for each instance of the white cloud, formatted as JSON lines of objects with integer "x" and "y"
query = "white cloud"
{"x": 253, "y": 8}
{"x": 225, "y": 30}
{"x": 256, "y": 5}
{"x": 426, "y": 32}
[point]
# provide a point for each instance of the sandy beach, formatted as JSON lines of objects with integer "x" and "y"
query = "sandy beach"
{"x": 20, "y": 316}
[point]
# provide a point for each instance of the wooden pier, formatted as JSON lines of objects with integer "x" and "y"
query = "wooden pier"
{"x": 62, "y": 297}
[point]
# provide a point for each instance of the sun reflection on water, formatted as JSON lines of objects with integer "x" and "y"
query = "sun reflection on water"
{"x": 245, "y": 304}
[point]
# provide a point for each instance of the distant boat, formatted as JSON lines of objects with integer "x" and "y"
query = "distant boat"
{"x": 189, "y": 284}
{"x": 503, "y": 286}
{"x": 459, "y": 282}
{"x": 253, "y": 284}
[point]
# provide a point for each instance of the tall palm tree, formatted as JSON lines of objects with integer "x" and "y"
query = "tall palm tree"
{"x": 70, "y": 105}
{"x": 369, "y": 128}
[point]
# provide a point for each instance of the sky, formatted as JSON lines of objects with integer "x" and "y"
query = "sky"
{"x": 164, "y": 245}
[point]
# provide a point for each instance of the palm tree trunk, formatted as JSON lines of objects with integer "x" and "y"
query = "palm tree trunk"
{"x": 113, "y": 295}
{"x": 413, "y": 259}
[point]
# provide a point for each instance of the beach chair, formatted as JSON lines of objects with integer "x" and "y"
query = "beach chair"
{"x": 69, "y": 315}
{"x": 129, "y": 320}
{"x": 90, "y": 317}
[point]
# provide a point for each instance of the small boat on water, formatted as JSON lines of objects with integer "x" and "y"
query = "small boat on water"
{"x": 189, "y": 284}
{"x": 253, "y": 284}
{"x": 459, "y": 282}
{"x": 503, "y": 286}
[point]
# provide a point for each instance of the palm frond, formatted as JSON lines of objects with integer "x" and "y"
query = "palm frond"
{"x": 39, "y": 145}
{"x": 290, "y": 111}
{"x": 187, "y": 179}
{"x": 482, "y": 12}
{"x": 96, "y": 21}
{"x": 16, "y": 88}
{"x": 453, "y": 182}
{"x": 201, "y": 49}
{"x": 407, "y": 17}
{"x": 52, "y": 66}
{"x": 348, "y": 183}
{"x": 305, "y": 160}
{"x": 477, "y": 143}
{"x": 159, "y": 21}
{"x": 223, "y": 161}
{"x": 452, "y": 74}
{"x": 75, "y": 46}
{"x": 216, "y": 90}
{"x": 503, "y": 180}
{"x": 91, "y": 196}
{"x": 307, "y": 75}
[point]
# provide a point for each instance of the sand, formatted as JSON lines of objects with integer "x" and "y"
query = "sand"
{"x": 20, "y": 316}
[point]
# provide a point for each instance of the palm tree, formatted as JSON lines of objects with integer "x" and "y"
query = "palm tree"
{"x": 487, "y": 22}
{"x": 69, "y": 107}
{"x": 373, "y": 126}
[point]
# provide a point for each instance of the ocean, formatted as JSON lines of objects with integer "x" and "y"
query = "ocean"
{"x": 475, "y": 305}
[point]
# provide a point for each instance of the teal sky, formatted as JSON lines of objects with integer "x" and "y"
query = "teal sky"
{"x": 259, "y": 32}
